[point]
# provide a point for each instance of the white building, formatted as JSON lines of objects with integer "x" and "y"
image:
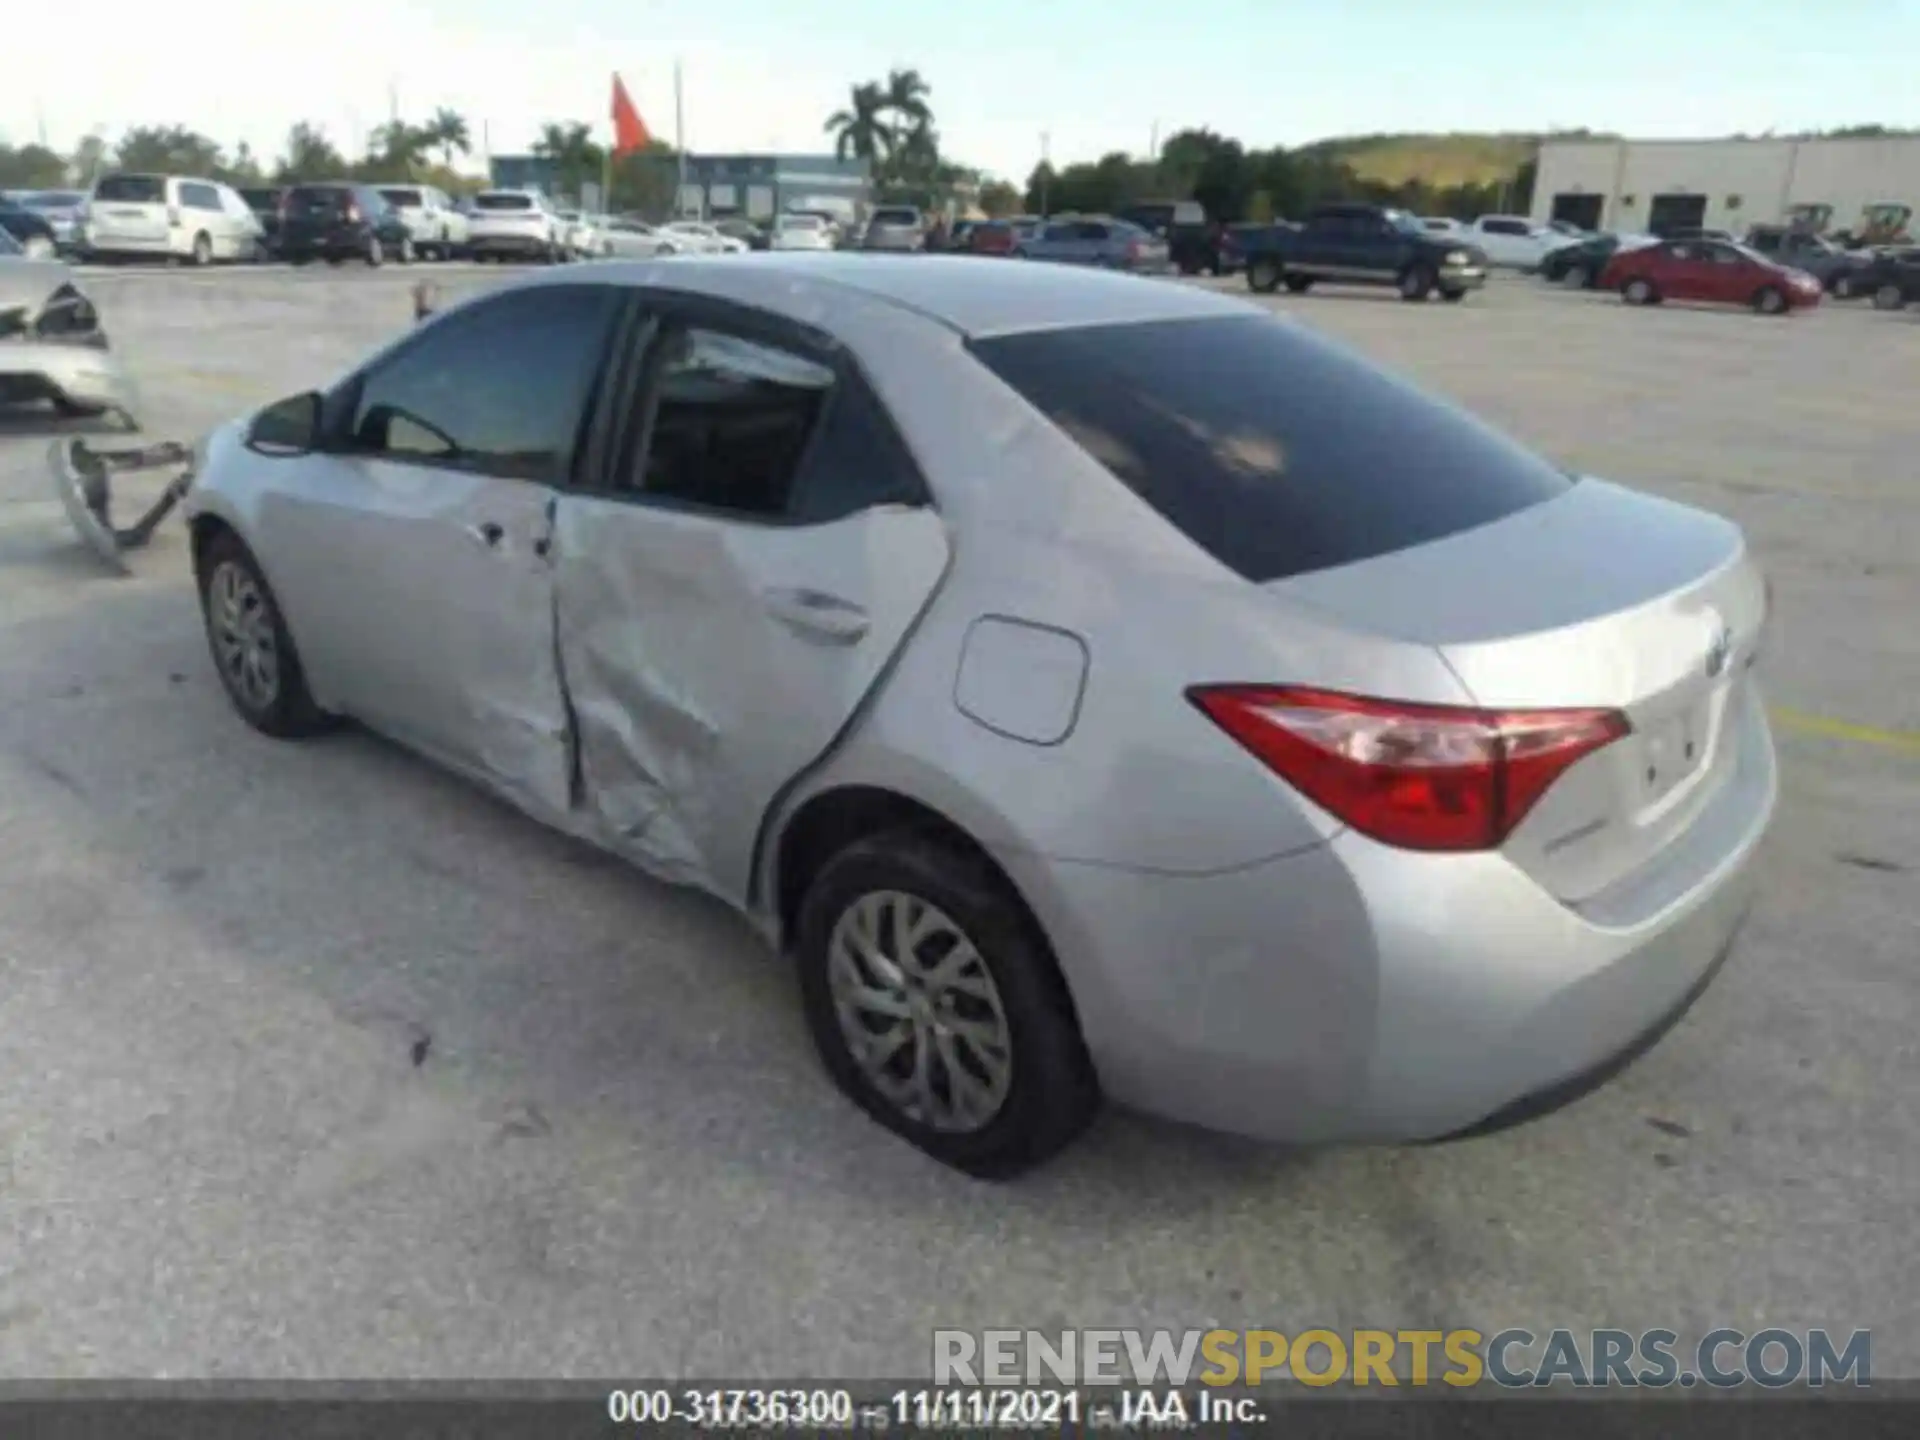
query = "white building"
{"x": 1725, "y": 184}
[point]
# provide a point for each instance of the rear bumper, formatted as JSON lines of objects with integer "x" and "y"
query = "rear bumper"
{"x": 508, "y": 244}
{"x": 1352, "y": 992}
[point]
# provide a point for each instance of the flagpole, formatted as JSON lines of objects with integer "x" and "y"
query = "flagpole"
{"x": 680, "y": 145}
{"x": 606, "y": 156}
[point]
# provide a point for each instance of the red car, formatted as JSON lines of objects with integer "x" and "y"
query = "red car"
{"x": 1709, "y": 270}
{"x": 992, "y": 237}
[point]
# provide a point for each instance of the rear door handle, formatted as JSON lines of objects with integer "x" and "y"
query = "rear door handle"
{"x": 816, "y": 613}
{"x": 487, "y": 533}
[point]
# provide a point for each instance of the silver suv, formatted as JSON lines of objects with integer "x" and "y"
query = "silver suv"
{"x": 895, "y": 227}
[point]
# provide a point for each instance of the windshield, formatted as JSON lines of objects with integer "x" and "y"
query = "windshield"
{"x": 1275, "y": 451}
{"x": 132, "y": 189}
{"x": 1403, "y": 222}
{"x": 502, "y": 202}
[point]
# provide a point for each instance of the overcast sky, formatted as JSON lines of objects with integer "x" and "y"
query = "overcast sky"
{"x": 764, "y": 74}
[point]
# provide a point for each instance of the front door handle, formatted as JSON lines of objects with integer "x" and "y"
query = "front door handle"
{"x": 816, "y": 613}
{"x": 487, "y": 533}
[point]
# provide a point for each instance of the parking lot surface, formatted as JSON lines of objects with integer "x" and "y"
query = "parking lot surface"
{"x": 318, "y": 1063}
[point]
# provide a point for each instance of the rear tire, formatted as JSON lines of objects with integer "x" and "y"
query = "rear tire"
{"x": 1639, "y": 292}
{"x": 244, "y": 624}
{"x": 1416, "y": 282}
{"x": 1264, "y": 276}
{"x": 1032, "y": 1084}
{"x": 406, "y": 255}
{"x": 39, "y": 247}
{"x": 1889, "y": 297}
{"x": 376, "y": 255}
{"x": 202, "y": 250}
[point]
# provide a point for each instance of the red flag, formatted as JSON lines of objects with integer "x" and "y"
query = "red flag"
{"x": 629, "y": 130}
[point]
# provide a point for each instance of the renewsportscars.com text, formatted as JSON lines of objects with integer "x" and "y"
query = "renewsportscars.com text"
{"x": 1515, "y": 1358}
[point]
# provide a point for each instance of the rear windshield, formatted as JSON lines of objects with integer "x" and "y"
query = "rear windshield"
{"x": 1275, "y": 451}
{"x": 401, "y": 197}
{"x": 317, "y": 197}
{"x": 801, "y": 222}
{"x": 502, "y": 202}
{"x": 132, "y": 189}
{"x": 896, "y": 217}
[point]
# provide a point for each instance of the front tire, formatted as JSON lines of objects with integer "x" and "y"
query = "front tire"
{"x": 1299, "y": 284}
{"x": 1576, "y": 277}
{"x": 1416, "y": 282}
{"x": 1264, "y": 276}
{"x": 1453, "y": 297}
{"x": 935, "y": 1005}
{"x": 1889, "y": 297}
{"x": 1639, "y": 292}
{"x": 252, "y": 651}
{"x": 39, "y": 247}
{"x": 1770, "y": 300}
{"x": 376, "y": 255}
{"x": 406, "y": 256}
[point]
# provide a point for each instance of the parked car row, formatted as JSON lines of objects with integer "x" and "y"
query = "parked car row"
{"x": 1775, "y": 270}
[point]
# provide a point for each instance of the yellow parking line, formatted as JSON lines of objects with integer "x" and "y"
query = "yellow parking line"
{"x": 1907, "y": 741}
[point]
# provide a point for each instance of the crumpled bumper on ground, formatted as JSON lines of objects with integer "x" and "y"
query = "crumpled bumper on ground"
{"x": 53, "y": 349}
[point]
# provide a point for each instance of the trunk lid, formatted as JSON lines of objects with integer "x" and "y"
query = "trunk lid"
{"x": 1604, "y": 597}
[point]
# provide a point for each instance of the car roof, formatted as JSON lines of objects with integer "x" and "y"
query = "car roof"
{"x": 974, "y": 297}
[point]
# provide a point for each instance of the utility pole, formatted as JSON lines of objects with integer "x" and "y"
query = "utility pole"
{"x": 1153, "y": 143}
{"x": 680, "y": 148}
{"x": 40, "y": 123}
{"x": 1046, "y": 170}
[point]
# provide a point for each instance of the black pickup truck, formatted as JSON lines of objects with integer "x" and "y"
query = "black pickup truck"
{"x": 1362, "y": 245}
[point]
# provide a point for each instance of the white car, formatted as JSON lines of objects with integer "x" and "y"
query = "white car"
{"x": 515, "y": 225}
{"x": 1513, "y": 240}
{"x": 167, "y": 217}
{"x": 586, "y": 235}
{"x": 630, "y": 239}
{"x": 800, "y": 232}
{"x": 703, "y": 239}
{"x": 437, "y": 228}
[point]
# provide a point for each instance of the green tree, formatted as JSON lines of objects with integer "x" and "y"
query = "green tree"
{"x": 999, "y": 199}
{"x": 447, "y": 132}
{"x": 31, "y": 167}
{"x": 310, "y": 155}
{"x": 394, "y": 151}
{"x": 168, "y": 150}
{"x": 244, "y": 169}
{"x": 1042, "y": 185}
{"x": 576, "y": 156}
{"x": 861, "y": 129}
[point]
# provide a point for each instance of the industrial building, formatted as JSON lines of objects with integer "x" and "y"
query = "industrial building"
{"x": 1655, "y": 185}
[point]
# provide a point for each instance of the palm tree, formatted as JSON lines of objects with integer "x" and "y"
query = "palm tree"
{"x": 571, "y": 148}
{"x": 906, "y": 96}
{"x": 860, "y": 129}
{"x": 448, "y": 130}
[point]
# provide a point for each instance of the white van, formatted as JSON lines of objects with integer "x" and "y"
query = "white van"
{"x": 436, "y": 227}
{"x": 167, "y": 217}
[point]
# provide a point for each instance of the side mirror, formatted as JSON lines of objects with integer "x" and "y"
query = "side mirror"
{"x": 287, "y": 427}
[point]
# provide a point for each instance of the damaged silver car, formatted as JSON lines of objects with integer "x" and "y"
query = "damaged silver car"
{"x": 52, "y": 346}
{"x": 1100, "y": 687}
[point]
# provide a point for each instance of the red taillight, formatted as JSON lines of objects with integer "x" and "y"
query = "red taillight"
{"x": 1420, "y": 777}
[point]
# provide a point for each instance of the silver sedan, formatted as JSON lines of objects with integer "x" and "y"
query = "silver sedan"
{"x": 1097, "y": 686}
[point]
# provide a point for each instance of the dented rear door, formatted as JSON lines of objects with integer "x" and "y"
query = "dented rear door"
{"x": 759, "y": 551}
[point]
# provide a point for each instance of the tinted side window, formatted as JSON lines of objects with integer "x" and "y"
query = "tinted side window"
{"x": 763, "y": 433}
{"x": 200, "y": 197}
{"x": 1274, "y": 450}
{"x": 1504, "y": 227}
{"x": 500, "y": 388}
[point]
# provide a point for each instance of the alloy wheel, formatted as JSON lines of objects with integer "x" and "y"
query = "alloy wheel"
{"x": 244, "y": 637}
{"x": 919, "y": 1011}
